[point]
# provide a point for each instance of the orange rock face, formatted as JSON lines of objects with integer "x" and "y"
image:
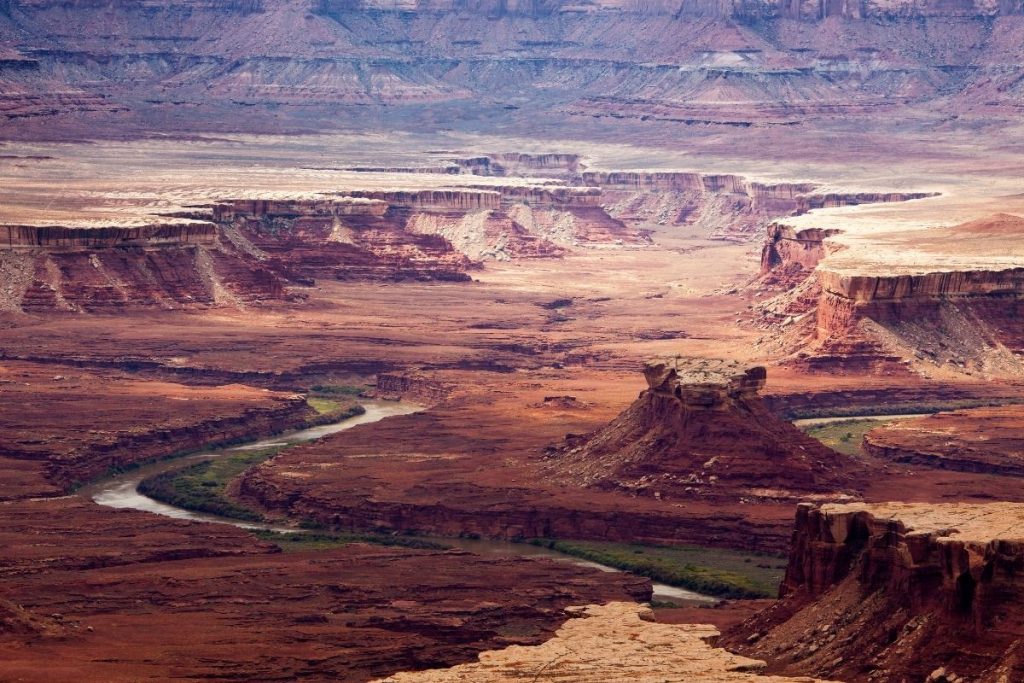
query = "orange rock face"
{"x": 897, "y": 591}
{"x": 108, "y": 422}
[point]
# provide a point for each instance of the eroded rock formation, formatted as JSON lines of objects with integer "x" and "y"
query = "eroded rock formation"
{"x": 698, "y": 63}
{"x": 895, "y": 592}
{"x": 701, "y": 430}
{"x": 164, "y": 265}
{"x": 724, "y": 206}
{"x": 875, "y": 308}
{"x": 129, "y": 421}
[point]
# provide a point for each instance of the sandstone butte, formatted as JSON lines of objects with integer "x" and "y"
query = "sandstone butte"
{"x": 898, "y": 591}
{"x": 977, "y": 440}
{"x": 701, "y": 429}
{"x": 613, "y": 643}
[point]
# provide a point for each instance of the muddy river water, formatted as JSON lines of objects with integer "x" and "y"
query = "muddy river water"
{"x": 121, "y": 491}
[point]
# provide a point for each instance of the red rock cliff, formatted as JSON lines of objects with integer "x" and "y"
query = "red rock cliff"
{"x": 894, "y": 592}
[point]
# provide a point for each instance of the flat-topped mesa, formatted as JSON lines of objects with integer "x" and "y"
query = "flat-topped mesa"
{"x": 900, "y": 301}
{"x": 519, "y": 163}
{"x": 61, "y": 237}
{"x": 453, "y": 200}
{"x": 704, "y": 384}
{"x": 172, "y": 264}
{"x": 262, "y": 208}
{"x": 552, "y": 196}
{"x": 966, "y": 319}
{"x": 702, "y": 430}
{"x": 887, "y": 587}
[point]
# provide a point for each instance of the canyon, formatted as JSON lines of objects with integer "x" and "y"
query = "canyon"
{"x": 612, "y": 264}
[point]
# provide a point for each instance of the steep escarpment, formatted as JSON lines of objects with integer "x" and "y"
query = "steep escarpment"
{"x": 894, "y": 592}
{"x": 967, "y": 320}
{"x": 701, "y": 430}
{"x": 428, "y": 234}
{"x": 722, "y": 206}
{"x": 241, "y": 252}
{"x": 238, "y": 65}
{"x": 351, "y": 238}
{"x": 164, "y": 265}
{"x": 944, "y": 298}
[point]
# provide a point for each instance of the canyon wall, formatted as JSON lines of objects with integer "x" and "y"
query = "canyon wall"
{"x": 966, "y": 319}
{"x": 14, "y": 236}
{"x": 947, "y": 297}
{"x": 329, "y": 63}
{"x": 725, "y": 206}
{"x": 897, "y": 592}
{"x": 984, "y": 440}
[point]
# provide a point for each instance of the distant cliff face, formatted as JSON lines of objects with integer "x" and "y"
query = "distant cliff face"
{"x": 323, "y": 62}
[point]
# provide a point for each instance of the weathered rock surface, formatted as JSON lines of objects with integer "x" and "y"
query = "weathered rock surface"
{"x": 978, "y": 440}
{"x": 909, "y": 299}
{"x": 614, "y": 642}
{"x": 706, "y": 63}
{"x": 351, "y": 238}
{"x": 722, "y": 206}
{"x": 90, "y": 269}
{"x": 895, "y": 591}
{"x": 701, "y": 430}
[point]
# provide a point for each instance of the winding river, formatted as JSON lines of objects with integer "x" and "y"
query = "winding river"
{"x": 122, "y": 491}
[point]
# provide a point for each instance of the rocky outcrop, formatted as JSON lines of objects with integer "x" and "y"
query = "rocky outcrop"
{"x": 789, "y": 255}
{"x": 74, "y": 271}
{"x": 162, "y": 234}
{"x": 617, "y": 641}
{"x": 893, "y": 592}
{"x": 727, "y": 206}
{"x": 701, "y": 430}
{"x": 411, "y": 387}
{"x": 969, "y": 320}
{"x": 988, "y": 440}
{"x": 947, "y": 297}
{"x": 362, "y": 236}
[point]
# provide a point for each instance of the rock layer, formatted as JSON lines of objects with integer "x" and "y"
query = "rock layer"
{"x": 100, "y": 595}
{"x": 897, "y": 591}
